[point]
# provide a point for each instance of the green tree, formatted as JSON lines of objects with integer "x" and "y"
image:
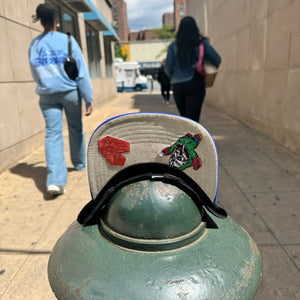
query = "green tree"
{"x": 118, "y": 52}
{"x": 166, "y": 33}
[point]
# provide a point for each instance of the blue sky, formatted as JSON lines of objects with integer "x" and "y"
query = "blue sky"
{"x": 147, "y": 14}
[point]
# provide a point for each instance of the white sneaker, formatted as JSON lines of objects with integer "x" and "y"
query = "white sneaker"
{"x": 55, "y": 190}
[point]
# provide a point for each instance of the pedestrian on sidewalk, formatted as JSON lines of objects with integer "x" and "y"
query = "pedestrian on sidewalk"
{"x": 164, "y": 81}
{"x": 187, "y": 84}
{"x": 58, "y": 92}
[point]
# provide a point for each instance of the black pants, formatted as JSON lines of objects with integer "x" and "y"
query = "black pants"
{"x": 165, "y": 91}
{"x": 189, "y": 97}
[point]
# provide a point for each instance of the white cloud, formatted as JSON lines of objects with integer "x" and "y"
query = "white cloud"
{"x": 147, "y": 14}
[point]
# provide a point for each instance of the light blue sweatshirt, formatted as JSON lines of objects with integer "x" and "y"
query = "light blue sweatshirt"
{"x": 47, "y": 54}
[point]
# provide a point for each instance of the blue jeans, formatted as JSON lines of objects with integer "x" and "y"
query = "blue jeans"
{"x": 52, "y": 107}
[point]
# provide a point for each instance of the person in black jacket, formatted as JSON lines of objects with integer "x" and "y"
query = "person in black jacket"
{"x": 164, "y": 81}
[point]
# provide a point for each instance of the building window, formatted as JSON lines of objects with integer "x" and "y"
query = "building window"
{"x": 181, "y": 5}
{"x": 181, "y": 13}
{"x": 129, "y": 73}
{"x": 68, "y": 23}
{"x": 108, "y": 58}
{"x": 67, "y": 19}
{"x": 94, "y": 53}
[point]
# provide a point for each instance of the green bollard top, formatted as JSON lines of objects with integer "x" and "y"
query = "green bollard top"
{"x": 152, "y": 216}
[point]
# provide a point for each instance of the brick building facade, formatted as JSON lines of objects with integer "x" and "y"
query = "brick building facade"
{"x": 168, "y": 19}
{"x": 180, "y": 11}
{"x": 143, "y": 35}
{"x": 133, "y": 36}
{"x": 120, "y": 22}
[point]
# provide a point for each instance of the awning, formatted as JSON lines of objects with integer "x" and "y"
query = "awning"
{"x": 98, "y": 20}
{"x": 111, "y": 35}
{"x": 79, "y": 6}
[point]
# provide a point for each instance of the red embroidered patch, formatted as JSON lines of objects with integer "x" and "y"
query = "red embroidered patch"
{"x": 112, "y": 149}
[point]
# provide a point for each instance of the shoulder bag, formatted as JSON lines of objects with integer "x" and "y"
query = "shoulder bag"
{"x": 70, "y": 63}
{"x": 206, "y": 69}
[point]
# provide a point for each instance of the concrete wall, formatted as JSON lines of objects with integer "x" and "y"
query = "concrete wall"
{"x": 148, "y": 50}
{"x": 104, "y": 9}
{"x": 259, "y": 78}
{"x": 21, "y": 121}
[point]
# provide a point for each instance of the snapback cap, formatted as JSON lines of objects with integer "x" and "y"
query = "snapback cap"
{"x": 141, "y": 138}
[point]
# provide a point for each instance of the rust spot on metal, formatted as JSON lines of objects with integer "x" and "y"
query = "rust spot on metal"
{"x": 54, "y": 278}
{"x": 176, "y": 281}
{"x": 252, "y": 243}
{"x": 129, "y": 190}
{"x": 165, "y": 189}
{"x": 140, "y": 191}
{"x": 133, "y": 203}
{"x": 247, "y": 272}
{"x": 78, "y": 293}
{"x": 65, "y": 293}
{"x": 133, "y": 190}
{"x": 78, "y": 290}
{"x": 183, "y": 295}
{"x": 173, "y": 281}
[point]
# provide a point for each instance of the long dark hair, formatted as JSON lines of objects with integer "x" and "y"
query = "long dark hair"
{"x": 187, "y": 39}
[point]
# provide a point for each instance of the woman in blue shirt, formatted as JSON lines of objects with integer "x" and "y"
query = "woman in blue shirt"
{"x": 188, "y": 85}
{"x": 58, "y": 92}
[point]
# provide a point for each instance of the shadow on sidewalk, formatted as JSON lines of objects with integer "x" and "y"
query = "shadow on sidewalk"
{"x": 154, "y": 103}
{"x": 37, "y": 173}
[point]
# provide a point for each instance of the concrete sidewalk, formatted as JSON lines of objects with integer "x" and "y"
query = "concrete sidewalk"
{"x": 259, "y": 187}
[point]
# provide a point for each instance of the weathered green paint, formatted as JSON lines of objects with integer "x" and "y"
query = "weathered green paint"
{"x": 142, "y": 220}
{"x": 152, "y": 216}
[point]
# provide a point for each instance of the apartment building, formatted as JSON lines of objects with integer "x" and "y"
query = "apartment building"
{"x": 180, "y": 11}
{"x": 120, "y": 22}
{"x": 168, "y": 19}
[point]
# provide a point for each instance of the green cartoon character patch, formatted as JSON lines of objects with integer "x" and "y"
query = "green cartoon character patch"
{"x": 182, "y": 152}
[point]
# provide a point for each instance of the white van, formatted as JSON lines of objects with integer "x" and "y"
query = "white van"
{"x": 128, "y": 76}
